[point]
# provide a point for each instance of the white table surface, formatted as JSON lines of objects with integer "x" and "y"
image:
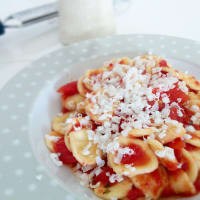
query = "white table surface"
{"x": 18, "y": 48}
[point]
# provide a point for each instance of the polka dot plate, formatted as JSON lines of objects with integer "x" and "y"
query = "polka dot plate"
{"x": 29, "y": 101}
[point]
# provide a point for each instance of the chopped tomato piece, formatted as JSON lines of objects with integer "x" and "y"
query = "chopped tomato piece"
{"x": 196, "y": 126}
{"x": 64, "y": 110}
{"x": 171, "y": 166}
{"x": 174, "y": 113}
{"x": 139, "y": 157}
{"x": 178, "y": 155}
{"x": 181, "y": 159}
{"x": 178, "y": 143}
{"x": 65, "y": 155}
{"x": 134, "y": 194}
{"x": 163, "y": 63}
{"x": 69, "y": 89}
{"x": 121, "y": 62}
{"x": 103, "y": 177}
{"x": 155, "y": 90}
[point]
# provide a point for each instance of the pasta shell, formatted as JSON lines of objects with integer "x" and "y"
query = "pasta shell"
{"x": 81, "y": 87}
{"x": 133, "y": 171}
{"x": 151, "y": 184}
{"x": 83, "y": 150}
{"x": 140, "y": 132}
{"x": 58, "y": 123}
{"x": 181, "y": 183}
{"x": 50, "y": 140}
{"x": 195, "y": 141}
{"x": 192, "y": 169}
{"x": 170, "y": 162}
{"x": 196, "y": 156}
{"x": 71, "y": 102}
{"x": 172, "y": 133}
{"x": 192, "y": 83}
{"x": 67, "y": 141}
{"x": 194, "y": 99}
{"x": 118, "y": 190}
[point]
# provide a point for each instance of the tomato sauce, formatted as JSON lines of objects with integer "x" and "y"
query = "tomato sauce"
{"x": 138, "y": 158}
{"x": 65, "y": 155}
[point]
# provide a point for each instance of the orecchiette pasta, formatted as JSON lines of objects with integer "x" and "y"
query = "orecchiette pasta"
{"x": 130, "y": 130}
{"x": 71, "y": 102}
{"x": 148, "y": 163}
{"x": 84, "y": 151}
{"x": 119, "y": 190}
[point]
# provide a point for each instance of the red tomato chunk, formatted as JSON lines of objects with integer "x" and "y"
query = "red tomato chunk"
{"x": 69, "y": 89}
{"x": 178, "y": 143}
{"x": 138, "y": 158}
{"x": 65, "y": 155}
{"x": 134, "y": 194}
{"x": 163, "y": 63}
{"x": 103, "y": 178}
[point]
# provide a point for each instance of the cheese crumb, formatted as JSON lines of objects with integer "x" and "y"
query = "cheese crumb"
{"x": 55, "y": 159}
{"x": 167, "y": 152}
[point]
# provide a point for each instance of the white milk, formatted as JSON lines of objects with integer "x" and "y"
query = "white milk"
{"x": 84, "y": 19}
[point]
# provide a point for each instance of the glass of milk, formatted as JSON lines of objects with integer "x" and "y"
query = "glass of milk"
{"x": 85, "y": 19}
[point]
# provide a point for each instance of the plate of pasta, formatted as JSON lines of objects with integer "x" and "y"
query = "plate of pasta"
{"x": 115, "y": 118}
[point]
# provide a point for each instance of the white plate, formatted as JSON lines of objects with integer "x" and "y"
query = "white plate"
{"x": 29, "y": 101}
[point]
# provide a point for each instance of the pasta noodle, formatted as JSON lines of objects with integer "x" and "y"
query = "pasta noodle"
{"x": 130, "y": 130}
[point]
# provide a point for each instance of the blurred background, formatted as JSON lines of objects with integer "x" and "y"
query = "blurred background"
{"x": 19, "y": 47}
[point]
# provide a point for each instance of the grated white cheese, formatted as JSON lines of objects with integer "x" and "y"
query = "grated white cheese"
{"x": 166, "y": 153}
{"x": 190, "y": 129}
{"x": 55, "y": 159}
{"x": 116, "y": 177}
{"x": 52, "y": 138}
{"x": 195, "y": 108}
{"x": 187, "y": 136}
{"x": 99, "y": 161}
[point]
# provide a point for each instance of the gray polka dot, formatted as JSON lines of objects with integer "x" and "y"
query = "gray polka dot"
{"x": 32, "y": 187}
{"x": 6, "y": 130}
{"x": 18, "y": 85}
{"x": 14, "y": 117}
{"x": 9, "y": 192}
{"x": 11, "y": 96}
{"x": 27, "y": 155}
{"x": 21, "y": 105}
{"x": 4, "y": 107}
{"x": 16, "y": 142}
{"x": 7, "y": 158}
{"x": 19, "y": 172}
{"x": 27, "y": 94}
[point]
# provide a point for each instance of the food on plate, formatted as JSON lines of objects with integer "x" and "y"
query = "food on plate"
{"x": 130, "y": 130}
